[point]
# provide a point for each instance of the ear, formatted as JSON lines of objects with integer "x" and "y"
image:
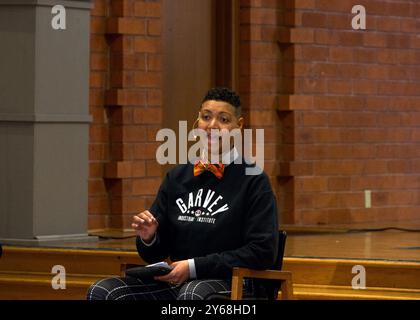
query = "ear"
{"x": 241, "y": 123}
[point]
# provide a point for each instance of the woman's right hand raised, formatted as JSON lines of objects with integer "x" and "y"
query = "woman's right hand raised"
{"x": 145, "y": 225}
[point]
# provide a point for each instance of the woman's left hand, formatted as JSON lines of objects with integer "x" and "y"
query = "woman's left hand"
{"x": 179, "y": 274}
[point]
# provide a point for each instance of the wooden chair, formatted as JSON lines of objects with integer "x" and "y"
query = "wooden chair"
{"x": 271, "y": 280}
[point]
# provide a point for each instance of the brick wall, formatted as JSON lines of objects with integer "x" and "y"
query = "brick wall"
{"x": 354, "y": 105}
{"x": 98, "y": 202}
{"x": 340, "y": 107}
{"x": 126, "y": 103}
{"x": 261, "y": 84}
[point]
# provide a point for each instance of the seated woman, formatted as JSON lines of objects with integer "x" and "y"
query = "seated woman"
{"x": 207, "y": 218}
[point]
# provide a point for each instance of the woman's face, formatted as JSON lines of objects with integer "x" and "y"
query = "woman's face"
{"x": 218, "y": 115}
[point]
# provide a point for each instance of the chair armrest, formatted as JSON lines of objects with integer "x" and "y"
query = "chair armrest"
{"x": 262, "y": 274}
{"x": 240, "y": 273}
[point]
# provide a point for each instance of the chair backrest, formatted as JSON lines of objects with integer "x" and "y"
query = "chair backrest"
{"x": 280, "y": 249}
{"x": 271, "y": 287}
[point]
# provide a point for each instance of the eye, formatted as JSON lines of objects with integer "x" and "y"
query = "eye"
{"x": 224, "y": 120}
{"x": 205, "y": 117}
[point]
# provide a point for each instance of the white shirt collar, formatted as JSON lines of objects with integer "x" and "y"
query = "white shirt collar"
{"x": 227, "y": 157}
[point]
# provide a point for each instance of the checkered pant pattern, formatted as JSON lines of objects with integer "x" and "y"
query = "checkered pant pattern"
{"x": 128, "y": 288}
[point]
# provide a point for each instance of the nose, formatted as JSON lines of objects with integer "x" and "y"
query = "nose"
{"x": 214, "y": 124}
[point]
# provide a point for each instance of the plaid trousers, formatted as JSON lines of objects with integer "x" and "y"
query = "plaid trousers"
{"x": 128, "y": 288}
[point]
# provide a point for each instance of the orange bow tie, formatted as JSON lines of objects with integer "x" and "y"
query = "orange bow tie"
{"x": 216, "y": 168}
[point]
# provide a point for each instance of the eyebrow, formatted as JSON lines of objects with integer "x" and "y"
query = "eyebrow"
{"x": 221, "y": 112}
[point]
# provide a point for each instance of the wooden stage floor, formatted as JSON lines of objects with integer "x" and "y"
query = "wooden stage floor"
{"x": 321, "y": 259}
{"x": 337, "y": 242}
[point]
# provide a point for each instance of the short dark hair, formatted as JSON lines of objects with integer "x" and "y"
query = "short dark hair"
{"x": 226, "y": 95}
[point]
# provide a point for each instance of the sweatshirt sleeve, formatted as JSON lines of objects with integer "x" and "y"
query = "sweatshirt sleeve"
{"x": 260, "y": 241}
{"x": 159, "y": 249}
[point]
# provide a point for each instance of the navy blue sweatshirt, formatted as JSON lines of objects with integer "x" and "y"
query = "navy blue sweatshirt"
{"x": 220, "y": 223}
